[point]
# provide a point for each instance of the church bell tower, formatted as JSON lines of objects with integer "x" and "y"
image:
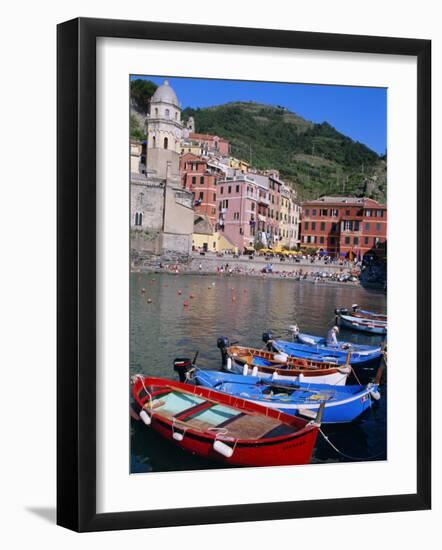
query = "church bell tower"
{"x": 164, "y": 135}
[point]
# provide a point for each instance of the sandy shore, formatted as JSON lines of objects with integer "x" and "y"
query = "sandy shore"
{"x": 317, "y": 272}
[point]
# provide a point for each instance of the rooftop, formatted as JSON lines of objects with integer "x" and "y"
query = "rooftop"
{"x": 165, "y": 93}
{"x": 204, "y": 137}
{"x": 355, "y": 201}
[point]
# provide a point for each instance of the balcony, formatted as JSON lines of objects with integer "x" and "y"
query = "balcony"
{"x": 263, "y": 201}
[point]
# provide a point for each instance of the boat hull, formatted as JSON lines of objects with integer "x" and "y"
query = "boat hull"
{"x": 362, "y": 325}
{"x": 292, "y": 451}
{"x": 320, "y": 343}
{"x": 342, "y": 405}
{"x": 334, "y": 378}
{"x": 337, "y": 356}
{"x": 289, "y": 442}
{"x": 268, "y": 364}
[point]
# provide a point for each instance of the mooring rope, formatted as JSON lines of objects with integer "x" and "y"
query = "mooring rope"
{"x": 345, "y": 455}
{"x": 355, "y": 375}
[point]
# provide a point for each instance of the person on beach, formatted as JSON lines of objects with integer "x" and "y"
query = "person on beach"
{"x": 332, "y": 339}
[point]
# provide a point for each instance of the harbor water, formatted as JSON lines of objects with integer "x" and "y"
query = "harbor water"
{"x": 179, "y": 315}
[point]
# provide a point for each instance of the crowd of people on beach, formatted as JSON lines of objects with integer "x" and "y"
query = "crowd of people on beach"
{"x": 267, "y": 271}
{"x": 350, "y": 271}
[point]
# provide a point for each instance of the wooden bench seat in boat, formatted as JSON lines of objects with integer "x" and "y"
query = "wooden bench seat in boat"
{"x": 251, "y": 427}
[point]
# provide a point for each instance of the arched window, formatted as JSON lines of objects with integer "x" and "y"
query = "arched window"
{"x": 154, "y": 142}
{"x": 156, "y": 111}
{"x": 138, "y": 218}
{"x": 167, "y": 113}
{"x": 166, "y": 143}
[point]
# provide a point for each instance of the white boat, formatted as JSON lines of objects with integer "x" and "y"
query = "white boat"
{"x": 362, "y": 324}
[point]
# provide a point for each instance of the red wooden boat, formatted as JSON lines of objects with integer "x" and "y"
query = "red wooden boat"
{"x": 223, "y": 427}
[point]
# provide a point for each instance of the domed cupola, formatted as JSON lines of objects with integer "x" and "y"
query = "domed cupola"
{"x": 165, "y": 94}
{"x": 164, "y": 133}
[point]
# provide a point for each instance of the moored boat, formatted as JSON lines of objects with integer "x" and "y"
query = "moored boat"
{"x": 345, "y": 347}
{"x": 364, "y": 358}
{"x": 341, "y": 403}
{"x": 367, "y": 314}
{"x": 361, "y": 324}
{"x": 268, "y": 364}
{"x": 223, "y": 427}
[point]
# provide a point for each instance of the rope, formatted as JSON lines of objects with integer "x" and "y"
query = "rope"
{"x": 345, "y": 455}
{"x": 355, "y": 375}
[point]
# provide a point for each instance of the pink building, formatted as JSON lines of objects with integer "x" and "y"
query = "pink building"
{"x": 237, "y": 204}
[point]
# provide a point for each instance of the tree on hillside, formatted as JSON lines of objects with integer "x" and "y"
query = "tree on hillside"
{"x": 140, "y": 92}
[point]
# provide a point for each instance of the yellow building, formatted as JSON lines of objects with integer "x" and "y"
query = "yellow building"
{"x": 194, "y": 148}
{"x": 289, "y": 218}
{"x": 204, "y": 237}
{"x": 239, "y": 164}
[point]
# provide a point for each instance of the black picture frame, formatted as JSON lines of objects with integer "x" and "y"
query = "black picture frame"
{"x": 76, "y": 274}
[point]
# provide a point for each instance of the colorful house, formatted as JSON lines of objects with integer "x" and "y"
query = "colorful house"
{"x": 344, "y": 226}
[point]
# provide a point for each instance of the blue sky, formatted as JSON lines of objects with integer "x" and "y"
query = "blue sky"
{"x": 360, "y": 113}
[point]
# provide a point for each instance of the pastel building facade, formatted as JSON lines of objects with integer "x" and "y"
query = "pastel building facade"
{"x": 237, "y": 198}
{"x": 257, "y": 208}
{"x": 289, "y": 216}
{"x": 342, "y": 226}
{"x": 199, "y": 176}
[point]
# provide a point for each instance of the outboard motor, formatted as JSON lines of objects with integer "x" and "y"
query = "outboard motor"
{"x": 182, "y": 365}
{"x": 222, "y": 344}
{"x": 267, "y": 338}
{"x": 341, "y": 310}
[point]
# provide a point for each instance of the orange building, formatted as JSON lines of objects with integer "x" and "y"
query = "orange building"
{"x": 343, "y": 226}
{"x": 199, "y": 177}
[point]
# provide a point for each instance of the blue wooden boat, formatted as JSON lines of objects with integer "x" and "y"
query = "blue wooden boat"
{"x": 344, "y": 347}
{"x": 361, "y": 356}
{"x": 342, "y": 403}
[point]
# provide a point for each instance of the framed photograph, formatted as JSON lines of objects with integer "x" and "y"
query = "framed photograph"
{"x": 229, "y": 200}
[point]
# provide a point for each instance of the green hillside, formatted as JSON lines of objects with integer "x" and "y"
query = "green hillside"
{"x": 315, "y": 158}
